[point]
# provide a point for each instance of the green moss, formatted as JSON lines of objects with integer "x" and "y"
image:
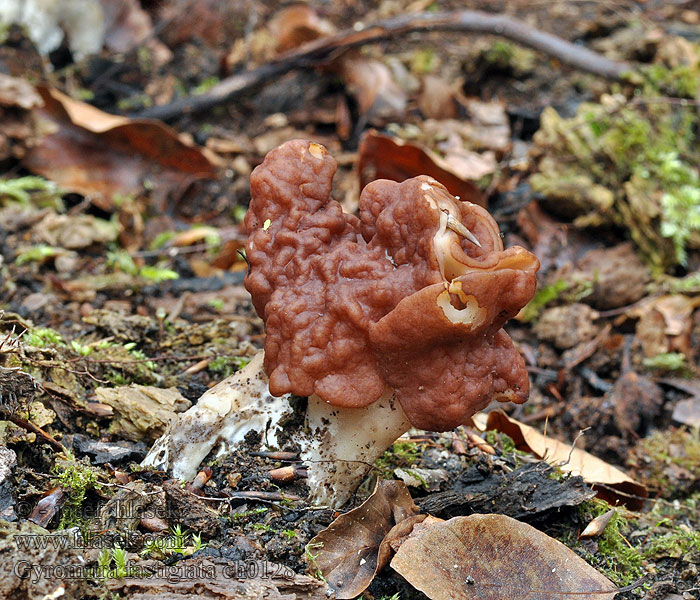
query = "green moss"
{"x": 690, "y": 284}
{"x": 667, "y": 361}
{"x": 161, "y": 240}
{"x": 157, "y": 274}
{"x": 225, "y": 366}
{"x": 505, "y": 55}
{"x": 125, "y": 364}
{"x": 120, "y": 260}
{"x": 37, "y": 253}
{"x": 423, "y": 61}
{"x": 616, "y": 558}
{"x": 311, "y": 553}
{"x": 178, "y": 541}
{"x": 401, "y": 454}
{"x": 206, "y": 85}
{"x": 41, "y": 337}
{"x": 673, "y": 544}
{"x": 77, "y": 478}
{"x": 543, "y": 297}
{"x": 681, "y": 81}
{"x": 665, "y": 455}
{"x": 631, "y": 164}
{"x": 31, "y": 189}
{"x": 565, "y": 290}
{"x": 622, "y": 561}
{"x": 504, "y": 443}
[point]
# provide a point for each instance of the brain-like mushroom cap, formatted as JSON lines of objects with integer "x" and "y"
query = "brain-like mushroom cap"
{"x": 401, "y": 296}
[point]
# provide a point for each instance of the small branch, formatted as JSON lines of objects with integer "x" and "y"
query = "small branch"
{"x": 327, "y": 48}
{"x": 29, "y": 426}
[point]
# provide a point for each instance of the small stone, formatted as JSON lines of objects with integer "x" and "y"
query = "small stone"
{"x": 34, "y": 302}
{"x": 241, "y": 166}
{"x": 108, "y": 452}
{"x": 8, "y": 459}
{"x": 66, "y": 263}
{"x": 691, "y": 17}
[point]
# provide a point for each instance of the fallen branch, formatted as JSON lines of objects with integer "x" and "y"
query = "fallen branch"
{"x": 327, "y": 48}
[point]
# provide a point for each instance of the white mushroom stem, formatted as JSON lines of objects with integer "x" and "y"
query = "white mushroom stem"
{"x": 338, "y": 445}
{"x": 343, "y": 443}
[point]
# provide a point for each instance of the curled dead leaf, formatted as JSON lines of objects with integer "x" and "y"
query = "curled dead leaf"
{"x": 100, "y": 155}
{"x": 348, "y": 552}
{"x": 74, "y": 231}
{"x": 127, "y": 25}
{"x": 16, "y": 92}
{"x": 494, "y": 557}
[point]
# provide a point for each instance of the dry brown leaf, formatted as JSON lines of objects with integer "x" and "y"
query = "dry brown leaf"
{"x": 48, "y": 506}
{"x": 99, "y": 155}
{"x": 17, "y": 128}
{"x": 347, "y": 552}
{"x": 194, "y": 236}
{"x": 396, "y": 536}
{"x": 676, "y": 311}
{"x": 213, "y": 23}
{"x": 637, "y": 403}
{"x": 487, "y": 128}
{"x": 437, "y": 97}
{"x": 143, "y": 411}
{"x": 611, "y": 483}
{"x": 372, "y": 84}
{"x": 297, "y": 24}
{"x": 494, "y": 557}
{"x": 387, "y": 157}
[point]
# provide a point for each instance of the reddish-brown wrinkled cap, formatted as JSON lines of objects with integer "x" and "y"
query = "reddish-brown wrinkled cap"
{"x": 413, "y": 294}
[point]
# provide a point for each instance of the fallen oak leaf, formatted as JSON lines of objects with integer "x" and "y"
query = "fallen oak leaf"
{"x": 99, "y": 155}
{"x": 611, "y": 483}
{"x": 494, "y": 557}
{"x": 347, "y": 552}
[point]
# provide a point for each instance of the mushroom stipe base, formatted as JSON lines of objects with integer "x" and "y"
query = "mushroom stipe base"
{"x": 338, "y": 445}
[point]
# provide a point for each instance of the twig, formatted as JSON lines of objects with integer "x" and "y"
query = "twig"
{"x": 324, "y": 49}
{"x": 173, "y": 251}
{"x": 257, "y": 495}
{"x": 24, "y": 424}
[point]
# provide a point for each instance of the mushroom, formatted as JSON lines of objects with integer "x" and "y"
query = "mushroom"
{"x": 386, "y": 321}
